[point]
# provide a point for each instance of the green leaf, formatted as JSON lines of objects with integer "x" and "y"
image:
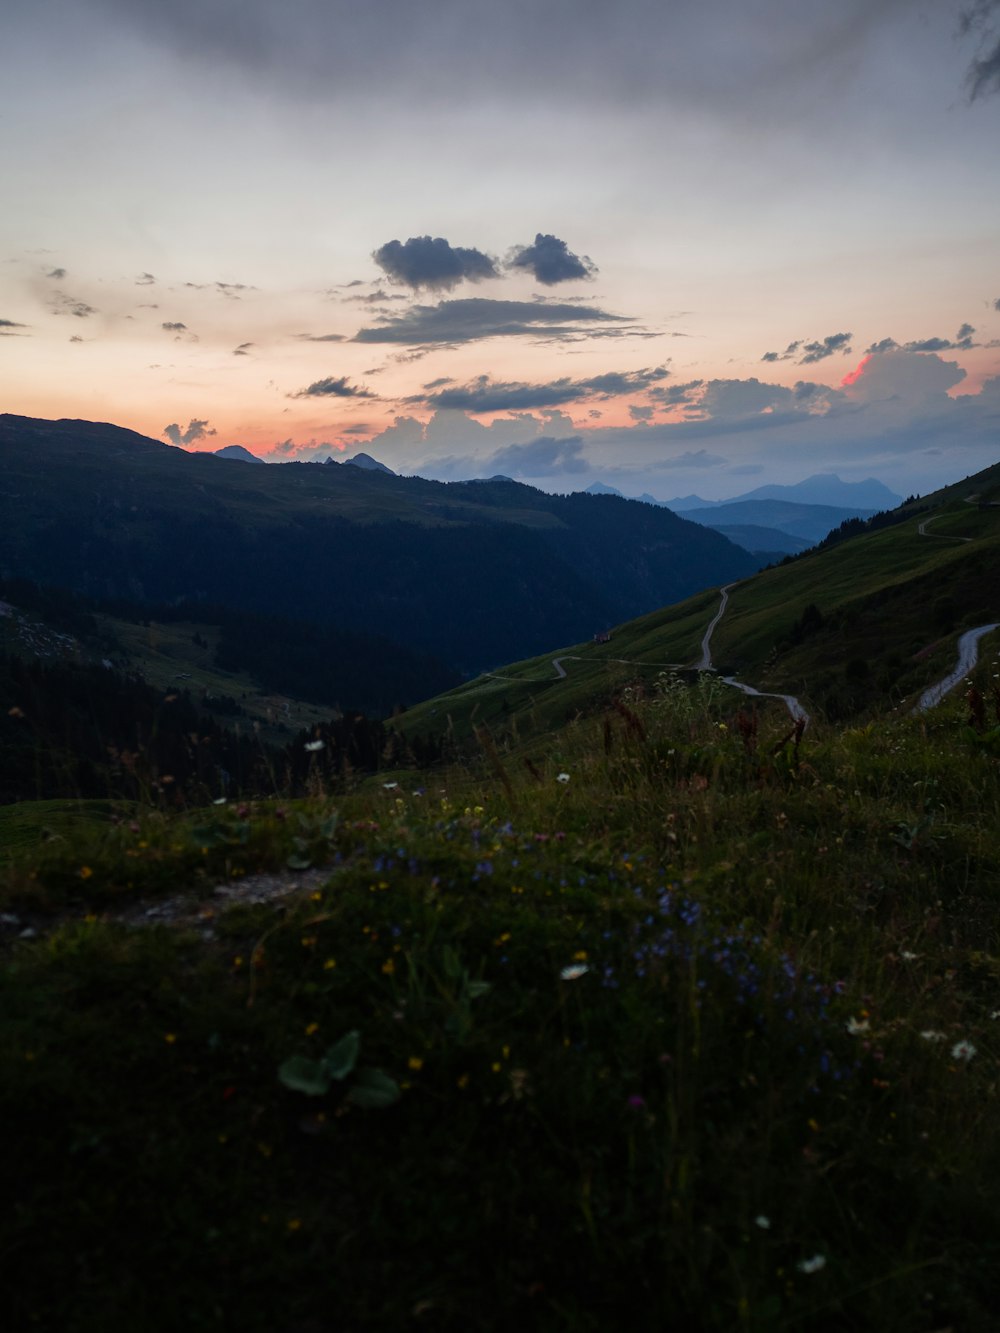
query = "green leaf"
{"x": 373, "y": 1090}
{"x": 304, "y": 1075}
{"x": 342, "y": 1056}
{"x": 477, "y": 988}
{"x": 451, "y": 962}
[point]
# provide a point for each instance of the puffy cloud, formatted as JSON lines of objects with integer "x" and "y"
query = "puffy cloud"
{"x": 197, "y": 430}
{"x": 486, "y": 395}
{"x": 56, "y": 273}
{"x": 312, "y": 451}
{"x": 903, "y": 375}
{"x": 550, "y": 261}
{"x": 678, "y": 395}
{"x": 545, "y": 456}
{"x": 883, "y": 345}
{"x": 468, "y": 320}
{"x": 333, "y": 387}
{"x": 433, "y": 263}
{"x": 743, "y": 398}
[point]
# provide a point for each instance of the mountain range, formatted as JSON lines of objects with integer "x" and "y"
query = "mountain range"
{"x": 471, "y": 573}
{"x": 780, "y": 518}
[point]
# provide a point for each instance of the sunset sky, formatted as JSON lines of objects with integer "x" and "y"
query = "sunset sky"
{"x": 688, "y": 246}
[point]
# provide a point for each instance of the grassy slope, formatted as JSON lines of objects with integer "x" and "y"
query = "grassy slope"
{"x": 166, "y": 656}
{"x": 877, "y": 593}
{"x": 724, "y": 1116}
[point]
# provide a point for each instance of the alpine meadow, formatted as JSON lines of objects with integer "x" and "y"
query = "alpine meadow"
{"x": 500, "y": 667}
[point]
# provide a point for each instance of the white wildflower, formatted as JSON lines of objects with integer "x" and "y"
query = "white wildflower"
{"x": 856, "y": 1025}
{"x": 930, "y": 1035}
{"x": 574, "y": 971}
{"x": 562, "y": 777}
{"x": 907, "y": 956}
{"x": 763, "y": 1222}
{"x": 221, "y": 800}
{"x": 390, "y": 786}
{"x": 812, "y": 1265}
{"x": 314, "y": 745}
{"x": 963, "y": 1050}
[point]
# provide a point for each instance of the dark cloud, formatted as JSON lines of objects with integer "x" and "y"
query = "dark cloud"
{"x": 996, "y": 304}
{"x": 551, "y": 261}
{"x": 962, "y": 342}
{"x": 883, "y": 345}
{"x": 197, "y": 430}
{"x": 436, "y": 384}
{"x": 636, "y": 413}
{"x": 433, "y": 263}
{"x": 567, "y": 53}
{"x": 57, "y": 273}
{"x": 8, "y": 325}
{"x": 173, "y": 326}
{"x": 333, "y": 388}
{"x": 786, "y": 355}
{"x": 812, "y": 351}
{"x": 145, "y": 280}
{"x": 320, "y": 337}
{"x": 76, "y": 338}
{"x": 230, "y": 289}
{"x": 486, "y": 395}
{"x": 377, "y": 297}
{"x": 819, "y": 351}
{"x": 678, "y": 395}
{"x": 243, "y": 349}
{"x": 983, "y": 76}
{"x": 61, "y": 304}
{"x": 478, "y": 317}
{"x": 928, "y": 345}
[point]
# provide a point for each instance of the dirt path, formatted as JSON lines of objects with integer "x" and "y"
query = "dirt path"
{"x": 798, "y": 713}
{"x": 941, "y": 536}
{"x": 705, "y": 662}
{"x": 968, "y": 656}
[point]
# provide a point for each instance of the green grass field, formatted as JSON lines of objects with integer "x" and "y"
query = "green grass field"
{"x": 662, "y": 1013}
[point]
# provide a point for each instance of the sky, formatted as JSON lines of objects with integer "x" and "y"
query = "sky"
{"x": 680, "y": 248}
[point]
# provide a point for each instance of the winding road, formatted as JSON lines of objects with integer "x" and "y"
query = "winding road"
{"x": 968, "y": 656}
{"x": 798, "y": 713}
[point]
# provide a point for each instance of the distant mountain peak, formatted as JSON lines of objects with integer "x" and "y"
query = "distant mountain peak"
{"x": 238, "y": 452}
{"x": 599, "y": 488}
{"x": 368, "y": 463}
